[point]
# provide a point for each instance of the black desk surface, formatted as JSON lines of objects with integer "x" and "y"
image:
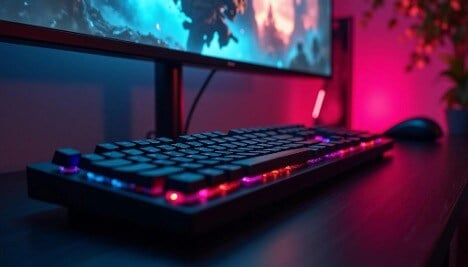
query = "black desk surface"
{"x": 398, "y": 212}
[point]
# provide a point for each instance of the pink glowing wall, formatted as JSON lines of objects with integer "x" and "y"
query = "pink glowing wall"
{"x": 383, "y": 93}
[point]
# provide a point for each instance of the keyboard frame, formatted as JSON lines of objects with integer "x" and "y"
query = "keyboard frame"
{"x": 76, "y": 193}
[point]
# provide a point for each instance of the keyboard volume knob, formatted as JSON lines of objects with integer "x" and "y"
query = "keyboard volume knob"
{"x": 66, "y": 157}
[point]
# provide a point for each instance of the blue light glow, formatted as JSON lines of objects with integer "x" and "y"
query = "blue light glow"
{"x": 90, "y": 175}
{"x": 96, "y": 178}
{"x": 118, "y": 184}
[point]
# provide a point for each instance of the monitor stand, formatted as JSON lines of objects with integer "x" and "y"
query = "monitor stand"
{"x": 169, "y": 99}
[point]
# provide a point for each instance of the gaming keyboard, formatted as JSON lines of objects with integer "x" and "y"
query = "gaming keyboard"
{"x": 199, "y": 181}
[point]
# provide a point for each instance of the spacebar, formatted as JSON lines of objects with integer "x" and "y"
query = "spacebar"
{"x": 270, "y": 162}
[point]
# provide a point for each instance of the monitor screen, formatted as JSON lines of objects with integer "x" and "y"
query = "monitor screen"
{"x": 286, "y": 35}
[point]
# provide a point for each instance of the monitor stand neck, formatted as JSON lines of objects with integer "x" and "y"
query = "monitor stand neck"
{"x": 169, "y": 99}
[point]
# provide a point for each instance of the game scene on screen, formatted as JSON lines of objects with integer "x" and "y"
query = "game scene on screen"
{"x": 284, "y": 34}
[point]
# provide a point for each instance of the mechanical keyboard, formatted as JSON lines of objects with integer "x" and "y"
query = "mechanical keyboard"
{"x": 199, "y": 181}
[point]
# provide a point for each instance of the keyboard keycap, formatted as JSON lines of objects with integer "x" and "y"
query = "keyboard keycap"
{"x": 208, "y": 162}
{"x": 136, "y": 167}
{"x": 262, "y": 164}
{"x": 164, "y": 162}
{"x": 129, "y": 174}
{"x": 223, "y": 159}
{"x": 181, "y": 145}
{"x": 141, "y": 142}
{"x": 207, "y": 142}
{"x": 88, "y": 159}
{"x": 157, "y": 156}
{"x": 182, "y": 159}
{"x": 197, "y": 157}
{"x": 104, "y": 167}
{"x": 100, "y": 148}
{"x": 186, "y": 138}
{"x": 211, "y": 154}
{"x": 150, "y": 149}
{"x": 234, "y": 172}
{"x": 167, "y": 147}
{"x": 213, "y": 176}
{"x": 189, "y": 151}
{"x": 323, "y": 149}
{"x": 125, "y": 144}
{"x": 174, "y": 154}
{"x": 194, "y": 144}
{"x": 310, "y": 142}
{"x": 152, "y": 177}
{"x": 132, "y": 152}
{"x": 186, "y": 182}
{"x": 66, "y": 157}
{"x": 193, "y": 166}
{"x": 163, "y": 140}
{"x": 113, "y": 154}
{"x": 140, "y": 159}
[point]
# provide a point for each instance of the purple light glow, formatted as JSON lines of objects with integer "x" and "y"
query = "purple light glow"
{"x": 314, "y": 161}
{"x": 318, "y": 138}
{"x": 68, "y": 170}
{"x": 248, "y": 181}
{"x": 334, "y": 155}
{"x": 203, "y": 194}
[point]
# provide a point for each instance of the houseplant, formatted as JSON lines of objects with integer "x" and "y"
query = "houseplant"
{"x": 434, "y": 24}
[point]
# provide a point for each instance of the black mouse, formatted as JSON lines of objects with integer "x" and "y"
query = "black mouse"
{"x": 417, "y": 128}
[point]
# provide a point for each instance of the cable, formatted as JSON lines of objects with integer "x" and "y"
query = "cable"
{"x": 197, "y": 99}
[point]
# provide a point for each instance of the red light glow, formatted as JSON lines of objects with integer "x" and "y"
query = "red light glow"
{"x": 205, "y": 194}
{"x": 202, "y": 195}
{"x": 173, "y": 196}
{"x": 367, "y": 144}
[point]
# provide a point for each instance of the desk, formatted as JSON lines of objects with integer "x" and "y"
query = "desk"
{"x": 401, "y": 211}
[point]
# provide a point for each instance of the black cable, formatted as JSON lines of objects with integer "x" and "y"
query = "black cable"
{"x": 197, "y": 98}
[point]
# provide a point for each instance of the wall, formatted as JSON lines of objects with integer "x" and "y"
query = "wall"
{"x": 383, "y": 93}
{"x": 235, "y": 100}
{"x": 52, "y": 98}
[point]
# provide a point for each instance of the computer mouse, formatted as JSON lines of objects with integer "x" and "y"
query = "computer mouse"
{"x": 417, "y": 128}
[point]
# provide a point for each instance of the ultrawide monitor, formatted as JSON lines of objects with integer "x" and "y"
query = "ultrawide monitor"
{"x": 290, "y": 36}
